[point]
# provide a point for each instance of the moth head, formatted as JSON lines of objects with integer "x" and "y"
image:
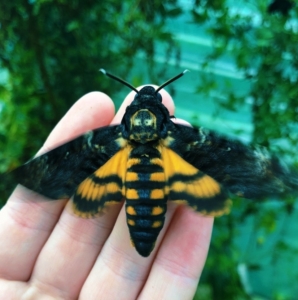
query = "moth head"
{"x": 146, "y": 117}
{"x": 147, "y": 94}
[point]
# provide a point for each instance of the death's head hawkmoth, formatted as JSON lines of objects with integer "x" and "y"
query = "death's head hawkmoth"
{"x": 149, "y": 159}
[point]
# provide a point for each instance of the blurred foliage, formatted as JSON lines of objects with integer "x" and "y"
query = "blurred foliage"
{"x": 264, "y": 48}
{"x": 261, "y": 38}
{"x": 50, "y": 53}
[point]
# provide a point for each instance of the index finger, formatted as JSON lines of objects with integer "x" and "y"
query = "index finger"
{"x": 91, "y": 111}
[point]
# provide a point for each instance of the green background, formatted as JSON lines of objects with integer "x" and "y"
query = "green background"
{"x": 243, "y": 83}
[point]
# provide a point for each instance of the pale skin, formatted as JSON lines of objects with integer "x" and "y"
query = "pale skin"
{"x": 48, "y": 253}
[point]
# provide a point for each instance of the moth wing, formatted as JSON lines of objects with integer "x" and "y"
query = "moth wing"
{"x": 102, "y": 188}
{"x": 246, "y": 171}
{"x": 189, "y": 185}
{"x": 57, "y": 173}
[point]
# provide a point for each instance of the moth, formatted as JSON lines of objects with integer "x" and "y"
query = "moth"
{"x": 147, "y": 160}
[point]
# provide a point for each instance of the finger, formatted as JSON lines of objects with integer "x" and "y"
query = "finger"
{"x": 73, "y": 247}
{"x": 26, "y": 221}
{"x": 180, "y": 260}
{"x": 93, "y": 110}
{"x": 119, "y": 267}
{"x": 181, "y": 122}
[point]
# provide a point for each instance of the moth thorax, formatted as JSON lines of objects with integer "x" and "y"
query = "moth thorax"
{"x": 143, "y": 126}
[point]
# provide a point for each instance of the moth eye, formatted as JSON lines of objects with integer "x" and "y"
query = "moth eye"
{"x": 159, "y": 97}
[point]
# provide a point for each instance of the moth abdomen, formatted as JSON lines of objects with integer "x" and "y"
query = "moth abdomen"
{"x": 145, "y": 222}
{"x": 145, "y": 193}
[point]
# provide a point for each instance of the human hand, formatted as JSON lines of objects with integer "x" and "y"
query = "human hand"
{"x": 47, "y": 252}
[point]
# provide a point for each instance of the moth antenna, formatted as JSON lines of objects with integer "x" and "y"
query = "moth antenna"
{"x": 118, "y": 79}
{"x": 171, "y": 80}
